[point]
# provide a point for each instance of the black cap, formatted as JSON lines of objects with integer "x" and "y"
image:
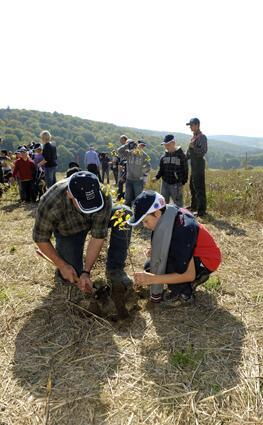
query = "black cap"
{"x": 194, "y": 121}
{"x": 73, "y": 164}
{"x": 168, "y": 139}
{"x": 146, "y": 203}
{"x": 85, "y": 188}
{"x": 22, "y": 149}
{"x": 141, "y": 142}
{"x": 37, "y": 146}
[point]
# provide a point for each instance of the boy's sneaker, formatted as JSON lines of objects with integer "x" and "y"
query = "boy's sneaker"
{"x": 170, "y": 299}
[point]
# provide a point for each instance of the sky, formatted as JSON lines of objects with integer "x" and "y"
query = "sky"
{"x": 150, "y": 64}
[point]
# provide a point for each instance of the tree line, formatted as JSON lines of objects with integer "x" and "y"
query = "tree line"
{"x": 73, "y": 135}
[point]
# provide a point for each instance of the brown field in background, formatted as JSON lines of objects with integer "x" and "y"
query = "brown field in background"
{"x": 197, "y": 365}
{"x": 231, "y": 192}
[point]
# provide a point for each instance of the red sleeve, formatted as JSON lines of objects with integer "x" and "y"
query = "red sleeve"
{"x": 207, "y": 249}
{"x": 16, "y": 169}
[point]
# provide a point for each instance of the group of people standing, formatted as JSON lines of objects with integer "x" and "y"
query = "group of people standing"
{"x": 173, "y": 169}
{"x": 33, "y": 167}
{"x": 134, "y": 167}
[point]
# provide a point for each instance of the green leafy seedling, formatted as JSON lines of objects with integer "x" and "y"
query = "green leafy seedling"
{"x": 213, "y": 284}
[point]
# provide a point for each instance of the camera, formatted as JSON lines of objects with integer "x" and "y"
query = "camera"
{"x": 132, "y": 145}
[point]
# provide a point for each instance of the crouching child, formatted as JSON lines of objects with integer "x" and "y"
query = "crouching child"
{"x": 183, "y": 253}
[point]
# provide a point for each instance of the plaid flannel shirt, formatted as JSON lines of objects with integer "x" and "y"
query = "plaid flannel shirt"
{"x": 56, "y": 213}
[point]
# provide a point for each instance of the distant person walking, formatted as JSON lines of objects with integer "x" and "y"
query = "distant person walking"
{"x": 50, "y": 158}
{"x": 173, "y": 170}
{"x": 122, "y": 170}
{"x": 115, "y": 168}
{"x": 138, "y": 165}
{"x": 196, "y": 152}
{"x": 91, "y": 161}
{"x": 105, "y": 167}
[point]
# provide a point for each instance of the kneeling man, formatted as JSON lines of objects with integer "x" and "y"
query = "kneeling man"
{"x": 71, "y": 209}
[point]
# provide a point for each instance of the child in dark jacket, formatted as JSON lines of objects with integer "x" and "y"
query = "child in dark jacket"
{"x": 173, "y": 170}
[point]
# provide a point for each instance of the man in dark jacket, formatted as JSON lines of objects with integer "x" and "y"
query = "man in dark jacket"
{"x": 196, "y": 152}
{"x": 50, "y": 158}
{"x": 174, "y": 171}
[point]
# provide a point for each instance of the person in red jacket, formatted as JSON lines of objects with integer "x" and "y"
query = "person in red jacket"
{"x": 25, "y": 171}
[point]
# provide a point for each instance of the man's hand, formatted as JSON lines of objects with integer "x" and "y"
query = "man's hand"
{"x": 154, "y": 179}
{"x": 85, "y": 284}
{"x": 69, "y": 273}
{"x": 143, "y": 278}
{"x": 148, "y": 252}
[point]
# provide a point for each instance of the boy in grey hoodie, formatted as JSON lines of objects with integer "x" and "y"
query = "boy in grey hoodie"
{"x": 138, "y": 165}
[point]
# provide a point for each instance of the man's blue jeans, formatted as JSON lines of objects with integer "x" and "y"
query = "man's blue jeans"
{"x": 133, "y": 189}
{"x": 50, "y": 176}
{"x": 71, "y": 248}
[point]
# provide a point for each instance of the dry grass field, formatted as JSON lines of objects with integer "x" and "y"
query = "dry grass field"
{"x": 196, "y": 365}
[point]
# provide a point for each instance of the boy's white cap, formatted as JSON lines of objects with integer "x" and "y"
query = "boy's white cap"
{"x": 146, "y": 203}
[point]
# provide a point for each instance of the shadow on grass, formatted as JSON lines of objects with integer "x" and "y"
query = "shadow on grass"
{"x": 79, "y": 356}
{"x": 225, "y": 225}
{"x": 29, "y": 207}
{"x": 197, "y": 349}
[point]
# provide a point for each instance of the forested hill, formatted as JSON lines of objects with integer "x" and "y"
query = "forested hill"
{"x": 73, "y": 135}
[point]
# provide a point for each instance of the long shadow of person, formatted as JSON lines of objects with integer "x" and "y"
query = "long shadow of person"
{"x": 192, "y": 351}
{"x": 66, "y": 361}
{"x": 221, "y": 224}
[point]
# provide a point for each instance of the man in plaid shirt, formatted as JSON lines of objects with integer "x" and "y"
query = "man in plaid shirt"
{"x": 69, "y": 210}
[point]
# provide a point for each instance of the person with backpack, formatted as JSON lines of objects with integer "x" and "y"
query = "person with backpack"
{"x": 173, "y": 170}
{"x": 183, "y": 252}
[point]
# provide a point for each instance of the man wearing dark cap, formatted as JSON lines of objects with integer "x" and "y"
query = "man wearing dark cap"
{"x": 71, "y": 209}
{"x": 196, "y": 152}
{"x": 173, "y": 170}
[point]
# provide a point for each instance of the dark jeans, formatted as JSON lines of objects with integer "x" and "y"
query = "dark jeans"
{"x": 202, "y": 275}
{"x": 50, "y": 176}
{"x": 27, "y": 191}
{"x": 115, "y": 174}
{"x": 120, "y": 193}
{"x": 133, "y": 189}
{"x": 105, "y": 171}
{"x": 197, "y": 188}
{"x": 71, "y": 248}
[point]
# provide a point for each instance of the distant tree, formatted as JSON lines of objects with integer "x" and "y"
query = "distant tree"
{"x": 64, "y": 157}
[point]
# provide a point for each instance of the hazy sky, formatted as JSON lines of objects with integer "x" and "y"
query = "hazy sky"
{"x": 141, "y": 63}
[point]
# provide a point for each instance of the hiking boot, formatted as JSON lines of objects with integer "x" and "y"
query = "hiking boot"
{"x": 200, "y": 214}
{"x": 118, "y": 276}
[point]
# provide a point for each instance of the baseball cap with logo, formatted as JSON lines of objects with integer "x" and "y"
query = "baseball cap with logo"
{"x": 146, "y": 203}
{"x": 85, "y": 188}
{"x": 168, "y": 139}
